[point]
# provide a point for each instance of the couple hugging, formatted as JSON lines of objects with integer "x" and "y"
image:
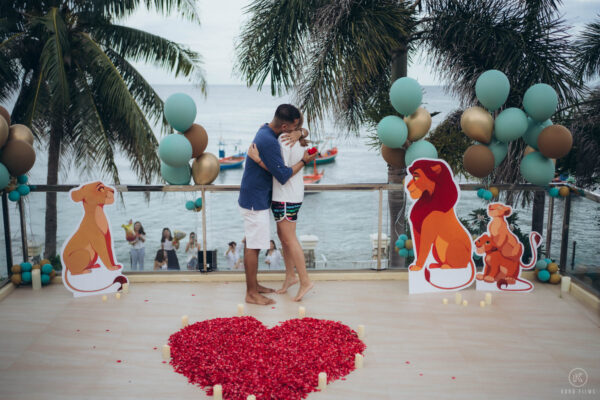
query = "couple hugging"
{"x": 272, "y": 180}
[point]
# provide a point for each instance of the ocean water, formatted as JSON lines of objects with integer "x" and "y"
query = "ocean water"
{"x": 342, "y": 221}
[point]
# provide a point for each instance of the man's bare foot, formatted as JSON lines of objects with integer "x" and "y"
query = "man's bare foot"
{"x": 257, "y": 298}
{"x": 262, "y": 289}
{"x": 302, "y": 290}
{"x": 287, "y": 283}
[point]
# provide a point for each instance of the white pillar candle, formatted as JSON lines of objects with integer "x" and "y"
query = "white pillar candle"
{"x": 218, "y": 392}
{"x": 565, "y": 284}
{"x": 118, "y": 296}
{"x": 104, "y": 298}
{"x": 358, "y": 361}
{"x": 445, "y": 301}
{"x": 482, "y": 304}
{"x": 488, "y": 299}
{"x": 240, "y": 310}
{"x": 184, "y": 321}
{"x": 465, "y": 303}
{"x": 322, "y": 380}
{"x": 458, "y": 298}
{"x": 126, "y": 288}
{"x": 166, "y": 352}
{"x": 251, "y": 397}
{"x": 361, "y": 331}
{"x": 301, "y": 312}
{"x": 36, "y": 279}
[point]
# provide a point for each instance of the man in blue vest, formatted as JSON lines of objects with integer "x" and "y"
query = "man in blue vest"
{"x": 256, "y": 190}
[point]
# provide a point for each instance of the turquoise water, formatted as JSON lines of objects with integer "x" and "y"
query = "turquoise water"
{"x": 343, "y": 221}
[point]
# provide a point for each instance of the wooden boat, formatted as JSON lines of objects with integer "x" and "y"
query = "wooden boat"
{"x": 327, "y": 157}
{"x": 232, "y": 162}
{"x": 315, "y": 177}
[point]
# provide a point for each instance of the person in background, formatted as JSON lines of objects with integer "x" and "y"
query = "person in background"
{"x": 233, "y": 256}
{"x": 273, "y": 257}
{"x": 137, "y": 247}
{"x": 192, "y": 247}
{"x": 160, "y": 261}
{"x": 168, "y": 245}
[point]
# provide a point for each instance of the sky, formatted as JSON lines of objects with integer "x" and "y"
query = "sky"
{"x": 221, "y": 23}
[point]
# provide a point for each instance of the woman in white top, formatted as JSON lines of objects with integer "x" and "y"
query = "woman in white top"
{"x": 232, "y": 256}
{"x": 286, "y": 202}
{"x": 192, "y": 247}
{"x": 169, "y": 245}
{"x": 273, "y": 257}
{"x": 137, "y": 247}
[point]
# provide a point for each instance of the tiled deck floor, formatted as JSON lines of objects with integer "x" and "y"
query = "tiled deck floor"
{"x": 522, "y": 347}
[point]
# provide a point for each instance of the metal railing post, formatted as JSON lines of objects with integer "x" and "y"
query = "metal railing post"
{"x": 204, "y": 228}
{"x": 7, "y": 239}
{"x": 23, "y": 231}
{"x": 549, "y": 226}
{"x": 564, "y": 239}
{"x": 379, "y": 229}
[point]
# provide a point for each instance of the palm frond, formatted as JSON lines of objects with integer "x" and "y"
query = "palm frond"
{"x": 123, "y": 8}
{"x": 587, "y": 51}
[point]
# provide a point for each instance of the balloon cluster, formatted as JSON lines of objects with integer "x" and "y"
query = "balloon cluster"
{"x": 555, "y": 191}
{"x": 17, "y": 156}
{"x": 176, "y": 150}
{"x": 194, "y": 205}
{"x": 547, "y": 271}
{"x": 404, "y": 246}
{"x": 488, "y": 194}
{"x": 21, "y": 273}
{"x": 546, "y": 141}
{"x": 402, "y": 138}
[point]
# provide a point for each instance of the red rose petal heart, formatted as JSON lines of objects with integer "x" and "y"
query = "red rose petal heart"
{"x": 246, "y": 357}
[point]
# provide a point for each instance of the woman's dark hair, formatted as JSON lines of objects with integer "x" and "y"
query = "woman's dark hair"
{"x": 274, "y": 247}
{"x": 141, "y": 227}
{"x": 232, "y": 243}
{"x": 160, "y": 256}
{"x": 192, "y": 234}
{"x": 162, "y": 239}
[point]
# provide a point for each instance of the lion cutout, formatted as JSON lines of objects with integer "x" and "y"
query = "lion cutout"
{"x": 502, "y": 252}
{"x": 91, "y": 242}
{"x": 440, "y": 241}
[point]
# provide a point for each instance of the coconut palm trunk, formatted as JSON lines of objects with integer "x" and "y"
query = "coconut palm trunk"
{"x": 52, "y": 179}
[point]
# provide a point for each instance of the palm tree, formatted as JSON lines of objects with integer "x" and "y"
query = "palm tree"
{"x": 69, "y": 65}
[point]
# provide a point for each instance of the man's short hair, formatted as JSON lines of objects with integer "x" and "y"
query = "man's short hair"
{"x": 287, "y": 113}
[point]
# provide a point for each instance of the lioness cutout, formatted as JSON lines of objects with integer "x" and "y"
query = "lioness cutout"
{"x": 91, "y": 240}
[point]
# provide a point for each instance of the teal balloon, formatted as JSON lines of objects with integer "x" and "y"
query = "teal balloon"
{"x": 492, "y": 89}
{"x": 543, "y": 275}
{"x": 510, "y": 124}
{"x": 175, "y": 175}
{"x": 4, "y": 176}
{"x": 411, "y": 253}
{"x": 540, "y": 102}
{"x": 22, "y": 179}
{"x": 392, "y": 131}
{"x": 26, "y": 277}
{"x": 499, "y": 150}
{"x": 45, "y": 279}
{"x": 403, "y": 253}
{"x": 548, "y": 260}
{"x": 189, "y": 205}
{"x": 23, "y": 190}
{"x": 419, "y": 149}
{"x": 487, "y": 195}
{"x": 46, "y": 268}
{"x": 198, "y": 202}
{"x": 403, "y": 237}
{"x": 481, "y": 193}
{"x": 406, "y": 95}
{"x": 14, "y": 196}
{"x": 554, "y": 192}
{"x": 180, "y": 111}
{"x": 537, "y": 169}
{"x": 175, "y": 150}
{"x": 541, "y": 264}
{"x": 26, "y": 266}
{"x": 534, "y": 129}
{"x": 401, "y": 243}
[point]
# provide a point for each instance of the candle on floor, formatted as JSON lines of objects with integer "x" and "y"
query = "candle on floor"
{"x": 322, "y": 380}
{"x": 184, "y": 321}
{"x": 251, "y": 397}
{"x": 36, "y": 279}
{"x": 358, "y": 361}
{"x": 126, "y": 288}
{"x": 565, "y": 283}
{"x": 361, "y": 331}
{"x": 301, "y": 312}
{"x": 104, "y": 298}
{"x": 465, "y": 303}
{"x": 458, "y": 298}
{"x": 240, "y": 310}
{"x": 166, "y": 352}
{"x": 488, "y": 298}
{"x": 118, "y": 296}
{"x": 482, "y": 304}
{"x": 218, "y": 392}
{"x": 445, "y": 301}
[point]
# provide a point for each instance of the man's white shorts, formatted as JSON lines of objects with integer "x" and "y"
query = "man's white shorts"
{"x": 257, "y": 228}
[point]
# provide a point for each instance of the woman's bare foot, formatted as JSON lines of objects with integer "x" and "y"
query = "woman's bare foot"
{"x": 302, "y": 290}
{"x": 257, "y": 298}
{"x": 263, "y": 289}
{"x": 287, "y": 283}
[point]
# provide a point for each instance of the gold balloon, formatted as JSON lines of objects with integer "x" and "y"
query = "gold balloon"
{"x": 3, "y": 131}
{"x": 564, "y": 191}
{"x": 198, "y": 138}
{"x": 408, "y": 244}
{"x": 555, "y": 278}
{"x": 418, "y": 124}
{"x": 494, "y": 190}
{"x": 477, "y": 124}
{"x": 18, "y": 157}
{"x": 552, "y": 268}
{"x": 15, "y": 279}
{"x": 478, "y": 160}
{"x": 394, "y": 157}
{"x": 4, "y": 112}
{"x": 205, "y": 169}
{"x": 16, "y": 269}
{"x": 20, "y": 132}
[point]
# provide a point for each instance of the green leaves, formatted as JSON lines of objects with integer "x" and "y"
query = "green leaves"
{"x": 53, "y": 60}
{"x": 587, "y": 51}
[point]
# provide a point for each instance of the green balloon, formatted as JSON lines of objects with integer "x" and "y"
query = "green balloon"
{"x": 510, "y": 124}
{"x": 419, "y": 149}
{"x": 499, "y": 150}
{"x": 537, "y": 169}
{"x": 392, "y": 131}
{"x": 175, "y": 175}
{"x": 540, "y": 102}
{"x": 46, "y": 268}
{"x": 45, "y": 279}
{"x": 175, "y": 150}
{"x": 4, "y": 176}
{"x": 492, "y": 89}
{"x": 180, "y": 111}
{"x": 543, "y": 275}
{"x": 26, "y": 277}
{"x": 534, "y": 129}
{"x": 406, "y": 95}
